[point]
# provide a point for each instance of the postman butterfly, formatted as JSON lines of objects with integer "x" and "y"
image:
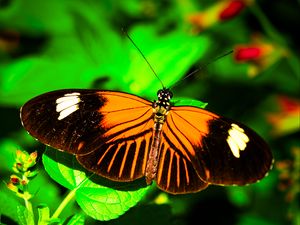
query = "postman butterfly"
{"x": 123, "y": 137}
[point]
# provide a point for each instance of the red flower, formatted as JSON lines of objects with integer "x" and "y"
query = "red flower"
{"x": 289, "y": 105}
{"x": 218, "y": 12}
{"x": 232, "y": 9}
{"x": 253, "y": 51}
{"x": 244, "y": 53}
{"x": 259, "y": 54}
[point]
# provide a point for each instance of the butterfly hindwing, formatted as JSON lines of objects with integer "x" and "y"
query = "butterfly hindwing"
{"x": 176, "y": 173}
{"x": 122, "y": 159}
{"x": 94, "y": 125}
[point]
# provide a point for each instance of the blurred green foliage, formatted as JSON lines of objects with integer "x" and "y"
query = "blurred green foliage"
{"x": 49, "y": 45}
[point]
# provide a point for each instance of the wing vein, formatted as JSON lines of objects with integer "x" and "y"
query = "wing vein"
{"x": 178, "y": 139}
{"x": 125, "y": 95}
{"x": 130, "y": 108}
{"x": 189, "y": 123}
{"x": 128, "y": 121}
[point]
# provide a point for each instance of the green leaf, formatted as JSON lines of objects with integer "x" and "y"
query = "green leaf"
{"x": 44, "y": 215}
{"x": 38, "y": 17}
{"x": 189, "y": 102}
{"x": 77, "y": 219}
{"x": 25, "y": 73}
{"x": 97, "y": 197}
{"x": 74, "y": 58}
{"x": 62, "y": 174}
{"x": 10, "y": 206}
{"x": 22, "y": 215}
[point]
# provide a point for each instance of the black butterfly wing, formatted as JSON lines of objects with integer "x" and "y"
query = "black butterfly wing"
{"x": 243, "y": 157}
{"x": 109, "y": 132}
{"x": 221, "y": 151}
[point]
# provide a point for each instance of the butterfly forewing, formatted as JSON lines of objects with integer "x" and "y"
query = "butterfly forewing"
{"x": 96, "y": 127}
{"x": 229, "y": 152}
{"x": 64, "y": 119}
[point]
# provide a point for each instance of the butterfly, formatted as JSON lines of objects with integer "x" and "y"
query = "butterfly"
{"x": 123, "y": 137}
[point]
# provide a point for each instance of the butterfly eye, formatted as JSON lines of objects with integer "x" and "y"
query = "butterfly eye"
{"x": 160, "y": 93}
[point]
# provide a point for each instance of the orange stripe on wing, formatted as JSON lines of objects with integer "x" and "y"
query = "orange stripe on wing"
{"x": 148, "y": 143}
{"x": 178, "y": 169}
{"x": 113, "y": 159}
{"x": 134, "y": 161}
{"x": 177, "y": 138}
{"x": 124, "y": 158}
{"x": 161, "y": 165}
{"x": 186, "y": 126}
{"x": 170, "y": 168}
{"x": 104, "y": 154}
{"x": 186, "y": 172}
{"x": 119, "y": 122}
{"x": 193, "y": 118}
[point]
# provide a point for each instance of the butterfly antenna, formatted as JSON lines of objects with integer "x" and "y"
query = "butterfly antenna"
{"x": 144, "y": 57}
{"x": 200, "y": 68}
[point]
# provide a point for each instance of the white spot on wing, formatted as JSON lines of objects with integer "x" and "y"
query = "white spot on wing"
{"x": 233, "y": 147}
{"x": 66, "y": 112}
{"x": 67, "y": 104}
{"x": 237, "y": 140}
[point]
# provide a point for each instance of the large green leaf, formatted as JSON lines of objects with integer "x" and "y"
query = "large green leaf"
{"x": 96, "y": 200}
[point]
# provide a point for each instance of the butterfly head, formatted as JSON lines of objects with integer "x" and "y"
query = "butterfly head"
{"x": 163, "y": 99}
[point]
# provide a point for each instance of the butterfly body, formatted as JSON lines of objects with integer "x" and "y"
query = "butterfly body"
{"x": 161, "y": 108}
{"x": 124, "y": 137}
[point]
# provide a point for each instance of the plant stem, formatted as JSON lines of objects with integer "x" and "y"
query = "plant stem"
{"x": 64, "y": 203}
{"x": 30, "y": 216}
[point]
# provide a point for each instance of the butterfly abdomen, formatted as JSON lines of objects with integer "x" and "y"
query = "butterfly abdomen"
{"x": 152, "y": 161}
